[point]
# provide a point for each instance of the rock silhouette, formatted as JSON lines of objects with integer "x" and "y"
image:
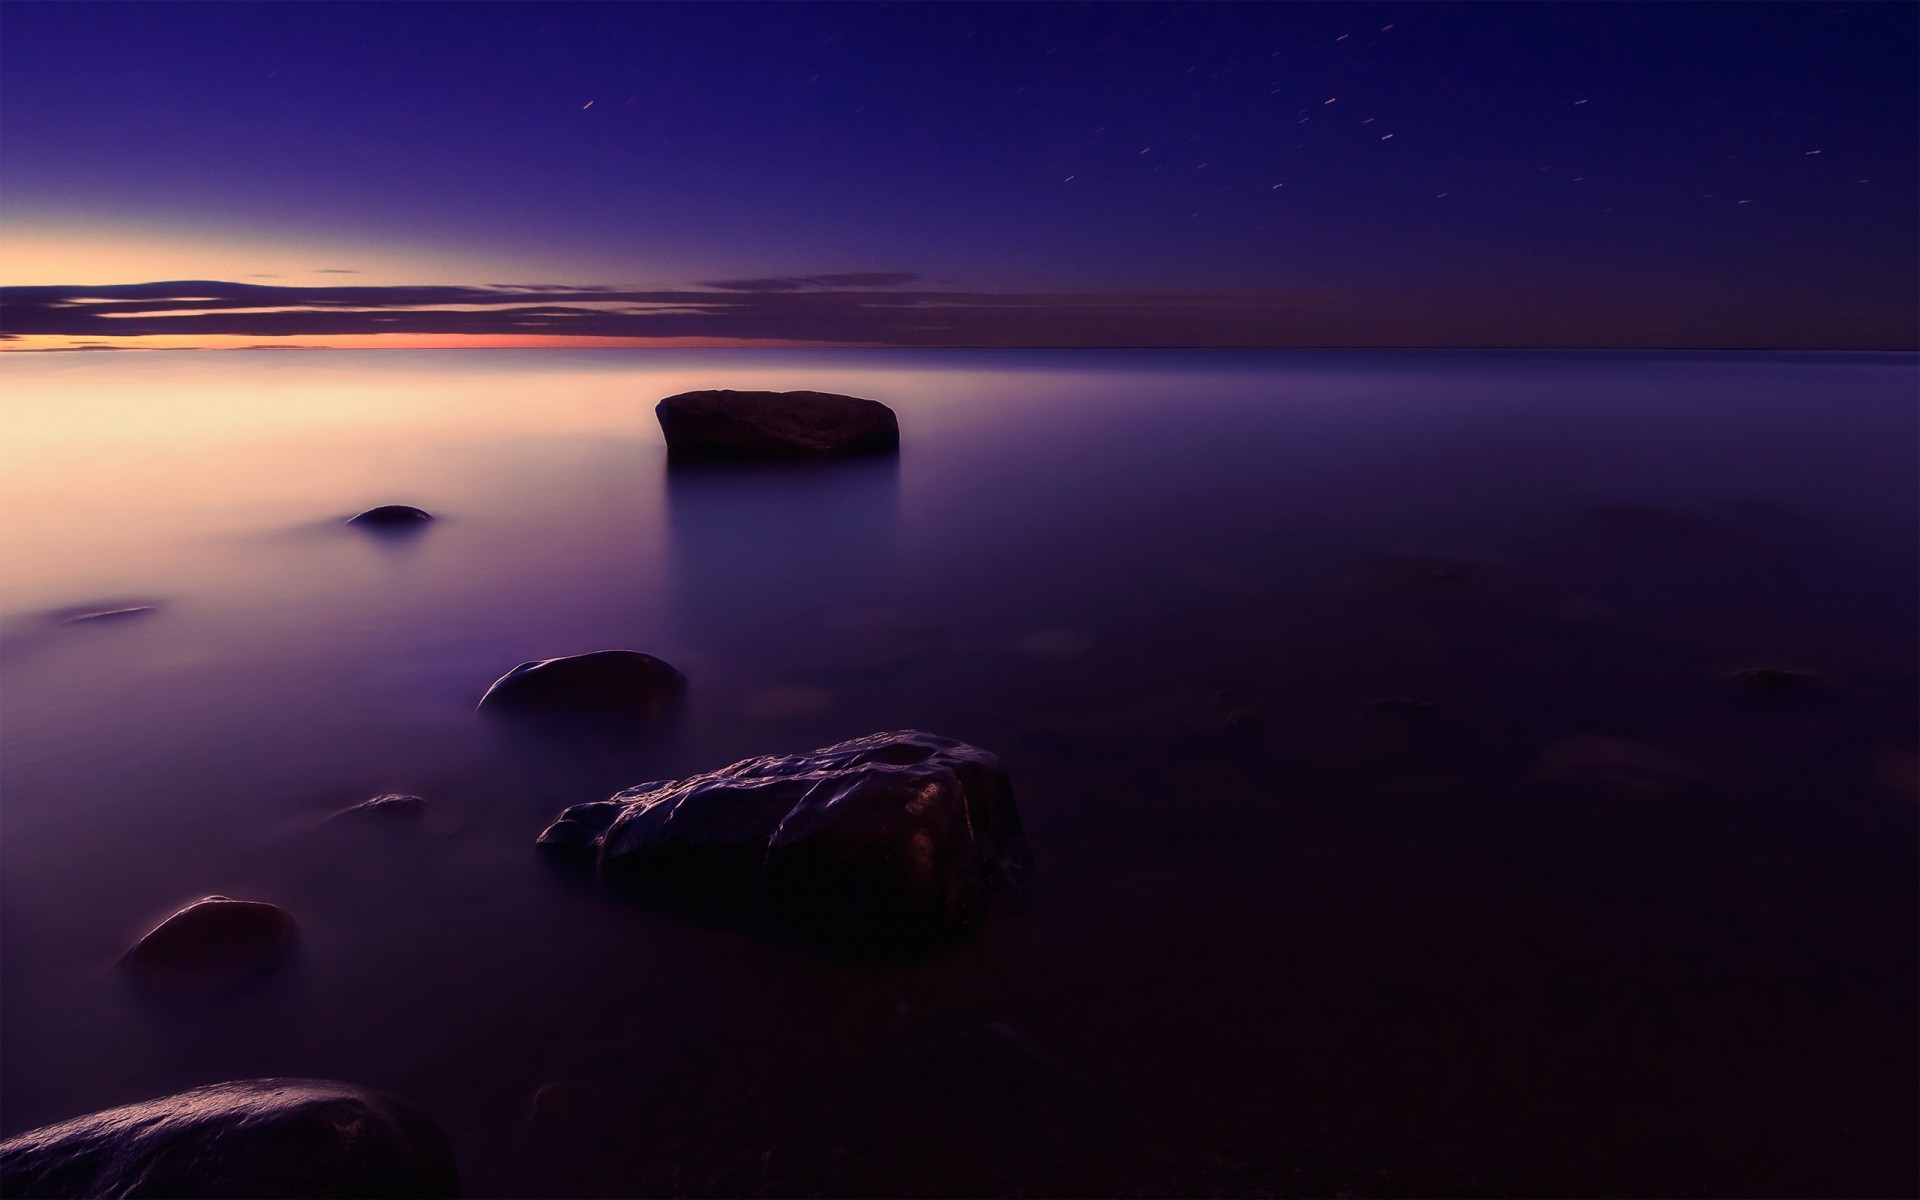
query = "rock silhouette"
{"x": 729, "y": 426}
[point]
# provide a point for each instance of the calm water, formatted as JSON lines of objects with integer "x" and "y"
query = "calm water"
{"x": 1597, "y": 921}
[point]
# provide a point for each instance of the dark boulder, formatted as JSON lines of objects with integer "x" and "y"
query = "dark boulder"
{"x": 257, "y": 1137}
{"x": 889, "y": 842}
{"x": 729, "y": 426}
{"x": 386, "y": 810}
{"x": 212, "y": 944}
{"x": 391, "y": 516}
{"x": 606, "y": 682}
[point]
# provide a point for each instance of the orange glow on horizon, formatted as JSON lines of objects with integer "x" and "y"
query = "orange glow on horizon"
{"x": 40, "y": 343}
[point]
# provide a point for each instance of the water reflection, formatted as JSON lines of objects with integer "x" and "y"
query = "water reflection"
{"x": 762, "y": 554}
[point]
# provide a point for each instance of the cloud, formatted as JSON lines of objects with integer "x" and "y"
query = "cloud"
{"x": 335, "y": 271}
{"x": 846, "y": 314}
{"x": 801, "y": 283}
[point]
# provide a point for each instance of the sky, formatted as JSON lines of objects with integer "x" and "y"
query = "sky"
{"x": 1640, "y": 175}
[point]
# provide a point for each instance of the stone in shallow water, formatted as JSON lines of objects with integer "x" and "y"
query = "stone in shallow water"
{"x": 611, "y": 682}
{"x": 256, "y": 1137}
{"x": 108, "y": 614}
{"x": 391, "y": 516}
{"x": 888, "y": 842}
{"x": 386, "y": 810}
{"x": 1777, "y": 681}
{"x": 730, "y": 426}
{"x": 212, "y": 944}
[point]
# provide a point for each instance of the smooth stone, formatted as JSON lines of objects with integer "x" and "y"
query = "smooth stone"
{"x": 391, "y": 809}
{"x": 256, "y": 1137}
{"x": 1776, "y": 681}
{"x": 730, "y": 426}
{"x": 890, "y": 842}
{"x": 605, "y": 681}
{"x": 990, "y": 1073}
{"x": 212, "y": 944}
{"x": 391, "y": 515}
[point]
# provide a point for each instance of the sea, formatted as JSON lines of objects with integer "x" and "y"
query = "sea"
{"x": 1446, "y": 772}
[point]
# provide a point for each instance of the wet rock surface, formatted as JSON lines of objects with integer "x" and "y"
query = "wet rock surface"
{"x": 257, "y": 1137}
{"x": 213, "y": 944}
{"x": 730, "y": 426}
{"x": 605, "y": 682}
{"x": 887, "y": 842}
{"x": 391, "y": 516}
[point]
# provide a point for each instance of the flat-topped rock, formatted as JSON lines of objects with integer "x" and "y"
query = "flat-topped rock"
{"x": 212, "y": 944}
{"x": 888, "y": 842}
{"x": 605, "y": 682}
{"x": 730, "y": 426}
{"x": 255, "y": 1137}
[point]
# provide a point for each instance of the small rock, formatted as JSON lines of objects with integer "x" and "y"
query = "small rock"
{"x": 1056, "y": 643}
{"x": 730, "y": 426}
{"x": 256, "y": 1137}
{"x": 212, "y": 945}
{"x": 1619, "y": 764}
{"x": 391, "y": 809}
{"x": 391, "y": 516}
{"x": 109, "y": 614}
{"x": 990, "y": 1073}
{"x": 623, "y": 682}
{"x": 1391, "y": 707}
{"x": 1776, "y": 681}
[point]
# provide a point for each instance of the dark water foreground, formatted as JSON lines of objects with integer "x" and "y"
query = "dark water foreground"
{"x": 1399, "y": 826}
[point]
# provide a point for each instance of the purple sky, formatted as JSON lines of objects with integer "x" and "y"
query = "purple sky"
{"x": 924, "y": 174}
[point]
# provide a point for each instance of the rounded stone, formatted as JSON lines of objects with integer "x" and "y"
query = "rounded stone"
{"x": 605, "y": 681}
{"x": 212, "y": 944}
{"x": 391, "y": 516}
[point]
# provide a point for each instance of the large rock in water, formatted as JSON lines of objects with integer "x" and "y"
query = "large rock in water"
{"x": 256, "y": 1137}
{"x": 605, "y": 682}
{"x": 729, "y": 426}
{"x": 212, "y": 945}
{"x": 888, "y": 842}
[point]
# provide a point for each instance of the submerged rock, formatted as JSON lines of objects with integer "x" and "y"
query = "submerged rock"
{"x": 256, "y": 1137}
{"x": 729, "y": 426}
{"x": 889, "y": 842}
{"x": 386, "y": 810}
{"x": 1777, "y": 681}
{"x": 608, "y": 682}
{"x": 989, "y": 1073}
{"x": 211, "y": 945}
{"x": 391, "y": 516}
